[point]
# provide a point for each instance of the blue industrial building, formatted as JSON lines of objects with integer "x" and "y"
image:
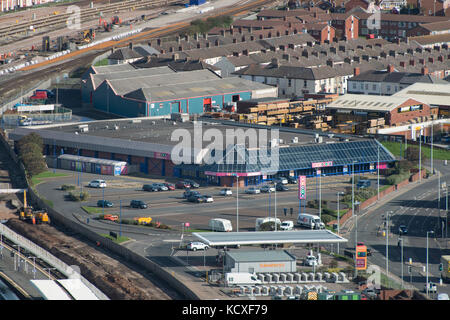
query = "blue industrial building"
{"x": 161, "y": 91}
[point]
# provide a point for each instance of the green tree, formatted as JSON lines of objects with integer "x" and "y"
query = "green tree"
{"x": 30, "y": 153}
{"x": 33, "y": 138}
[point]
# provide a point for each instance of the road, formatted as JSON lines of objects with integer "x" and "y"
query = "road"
{"x": 416, "y": 208}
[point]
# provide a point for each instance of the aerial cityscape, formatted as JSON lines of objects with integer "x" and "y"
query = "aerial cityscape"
{"x": 238, "y": 150}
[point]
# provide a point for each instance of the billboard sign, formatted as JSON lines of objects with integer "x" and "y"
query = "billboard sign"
{"x": 322, "y": 164}
{"x": 302, "y": 187}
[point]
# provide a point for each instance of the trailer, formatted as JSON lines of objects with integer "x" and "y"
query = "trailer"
{"x": 241, "y": 278}
{"x": 222, "y": 225}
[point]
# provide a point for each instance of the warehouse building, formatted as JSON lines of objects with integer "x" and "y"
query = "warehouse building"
{"x": 146, "y": 146}
{"x": 161, "y": 91}
{"x": 260, "y": 261}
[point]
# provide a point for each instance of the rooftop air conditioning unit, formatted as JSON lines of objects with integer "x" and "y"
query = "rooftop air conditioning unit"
{"x": 295, "y": 140}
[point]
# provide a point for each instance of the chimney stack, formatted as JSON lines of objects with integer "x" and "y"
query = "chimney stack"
{"x": 158, "y": 41}
{"x": 431, "y": 60}
{"x": 287, "y": 57}
{"x": 390, "y": 68}
{"x": 275, "y": 62}
{"x": 402, "y": 64}
{"x": 175, "y": 57}
{"x": 245, "y": 52}
{"x": 356, "y": 71}
{"x": 424, "y": 70}
{"x": 130, "y": 45}
{"x": 412, "y": 62}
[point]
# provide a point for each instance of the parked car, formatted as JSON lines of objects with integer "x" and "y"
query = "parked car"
{"x": 150, "y": 187}
{"x": 198, "y": 198}
{"x": 292, "y": 180}
{"x": 160, "y": 186}
{"x": 370, "y": 293}
{"x": 189, "y": 193}
{"x": 226, "y": 192}
{"x": 138, "y": 204}
{"x": 192, "y": 183}
{"x": 104, "y": 203}
{"x": 281, "y": 187}
{"x": 182, "y": 185}
{"x": 194, "y": 246}
{"x": 110, "y": 217}
{"x": 402, "y": 229}
{"x": 97, "y": 184}
{"x": 311, "y": 261}
{"x": 170, "y": 186}
{"x": 363, "y": 184}
{"x": 252, "y": 190}
{"x": 287, "y": 225}
{"x": 280, "y": 180}
{"x": 266, "y": 188}
{"x": 208, "y": 198}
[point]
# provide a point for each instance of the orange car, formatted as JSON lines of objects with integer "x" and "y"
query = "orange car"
{"x": 110, "y": 217}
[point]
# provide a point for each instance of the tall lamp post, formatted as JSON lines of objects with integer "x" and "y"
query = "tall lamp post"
{"x": 275, "y": 206}
{"x": 387, "y": 245}
{"x": 426, "y": 285}
{"x": 237, "y": 203}
{"x": 401, "y": 250}
{"x": 338, "y": 217}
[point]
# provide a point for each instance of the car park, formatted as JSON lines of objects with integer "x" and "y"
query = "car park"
{"x": 252, "y": 190}
{"x": 226, "y": 192}
{"x": 194, "y": 246}
{"x": 104, "y": 203}
{"x": 170, "y": 186}
{"x": 138, "y": 204}
{"x": 402, "y": 229}
{"x": 189, "y": 193}
{"x": 97, "y": 184}
{"x": 266, "y": 188}
{"x": 150, "y": 187}
{"x": 281, "y": 187}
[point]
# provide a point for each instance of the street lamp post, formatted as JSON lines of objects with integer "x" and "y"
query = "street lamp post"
{"x": 387, "y": 245}
{"x": 426, "y": 284}
{"x": 401, "y": 250}
{"x": 275, "y": 206}
{"x": 432, "y": 171}
{"x": 338, "y": 217}
{"x": 320, "y": 196}
{"x": 237, "y": 203}
{"x": 378, "y": 172}
{"x": 420, "y": 156}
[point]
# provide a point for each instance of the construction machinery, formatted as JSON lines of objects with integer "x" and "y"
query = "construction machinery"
{"x": 26, "y": 213}
{"x": 116, "y": 20}
{"x": 88, "y": 35}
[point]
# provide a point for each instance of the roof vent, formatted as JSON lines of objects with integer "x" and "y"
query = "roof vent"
{"x": 295, "y": 140}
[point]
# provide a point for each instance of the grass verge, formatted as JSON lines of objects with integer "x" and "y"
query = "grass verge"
{"x": 394, "y": 148}
{"x": 118, "y": 240}
{"x": 41, "y": 177}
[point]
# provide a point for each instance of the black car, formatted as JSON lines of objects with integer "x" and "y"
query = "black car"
{"x": 281, "y": 187}
{"x": 292, "y": 180}
{"x": 104, "y": 203}
{"x": 402, "y": 229}
{"x": 138, "y": 204}
{"x": 192, "y": 183}
{"x": 196, "y": 198}
{"x": 150, "y": 187}
{"x": 189, "y": 193}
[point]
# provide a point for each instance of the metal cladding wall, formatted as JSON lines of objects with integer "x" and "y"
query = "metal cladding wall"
{"x": 261, "y": 266}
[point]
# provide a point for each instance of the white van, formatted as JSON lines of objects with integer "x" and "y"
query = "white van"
{"x": 310, "y": 221}
{"x": 241, "y": 278}
{"x": 223, "y": 225}
{"x": 260, "y": 221}
{"x": 287, "y": 225}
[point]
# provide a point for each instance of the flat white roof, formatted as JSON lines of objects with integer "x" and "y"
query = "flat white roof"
{"x": 50, "y": 290}
{"x": 368, "y": 102}
{"x": 78, "y": 289}
{"x": 429, "y": 93}
{"x": 268, "y": 237}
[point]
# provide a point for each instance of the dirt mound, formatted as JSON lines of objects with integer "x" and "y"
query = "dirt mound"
{"x": 110, "y": 276}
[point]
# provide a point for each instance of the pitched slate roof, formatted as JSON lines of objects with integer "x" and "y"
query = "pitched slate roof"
{"x": 124, "y": 54}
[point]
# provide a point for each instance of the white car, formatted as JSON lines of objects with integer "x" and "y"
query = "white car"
{"x": 97, "y": 184}
{"x": 431, "y": 287}
{"x": 208, "y": 198}
{"x": 194, "y": 246}
{"x": 226, "y": 192}
{"x": 252, "y": 190}
{"x": 267, "y": 188}
{"x": 311, "y": 261}
{"x": 287, "y": 225}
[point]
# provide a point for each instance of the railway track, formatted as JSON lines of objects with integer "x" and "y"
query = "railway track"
{"x": 88, "y": 14}
{"x": 84, "y": 56}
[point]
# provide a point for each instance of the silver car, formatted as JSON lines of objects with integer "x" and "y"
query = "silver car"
{"x": 252, "y": 190}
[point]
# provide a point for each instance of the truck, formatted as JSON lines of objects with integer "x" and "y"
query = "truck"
{"x": 445, "y": 273}
{"x": 260, "y": 221}
{"x": 241, "y": 278}
{"x": 310, "y": 221}
{"x": 222, "y": 225}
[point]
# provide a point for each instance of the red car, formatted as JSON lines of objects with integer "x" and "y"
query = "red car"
{"x": 170, "y": 186}
{"x": 182, "y": 185}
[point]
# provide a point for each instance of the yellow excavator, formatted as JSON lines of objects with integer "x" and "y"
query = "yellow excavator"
{"x": 26, "y": 213}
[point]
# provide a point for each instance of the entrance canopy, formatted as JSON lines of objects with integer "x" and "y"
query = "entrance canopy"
{"x": 268, "y": 237}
